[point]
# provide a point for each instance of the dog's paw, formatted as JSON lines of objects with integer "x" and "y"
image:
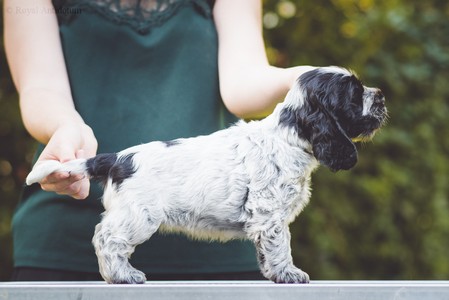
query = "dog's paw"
{"x": 291, "y": 275}
{"x": 132, "y": 277}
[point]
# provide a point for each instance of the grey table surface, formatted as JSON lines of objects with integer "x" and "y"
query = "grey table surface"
{"x": 216, "y": 290}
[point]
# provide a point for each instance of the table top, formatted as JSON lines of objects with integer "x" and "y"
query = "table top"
{"x": 217, "y": 290}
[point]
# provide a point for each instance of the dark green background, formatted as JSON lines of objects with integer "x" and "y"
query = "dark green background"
{"x": 388, "y": 218}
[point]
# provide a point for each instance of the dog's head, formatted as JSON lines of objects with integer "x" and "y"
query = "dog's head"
{"x": 330, "y": 108}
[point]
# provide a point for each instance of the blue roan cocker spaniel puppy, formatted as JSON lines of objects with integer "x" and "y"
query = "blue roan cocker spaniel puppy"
{"x": 248, "y": 181}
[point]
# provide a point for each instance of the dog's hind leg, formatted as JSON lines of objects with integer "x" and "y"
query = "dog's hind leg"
{"x": 274, "y": 254}
{"x": 115, "y": 239}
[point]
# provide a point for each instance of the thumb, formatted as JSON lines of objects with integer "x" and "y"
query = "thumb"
{"x": 80, "y": 154}
{"x": 61, "y": 153}
{"x": 85, "y": 154}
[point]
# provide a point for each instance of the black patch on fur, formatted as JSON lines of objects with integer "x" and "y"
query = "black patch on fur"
{"x": 98, "y": 167}
{"x": 332, "y": 106}
{"x": 122, "y": 169}
{"x": 290, "y": 117}
{"x": 171, "y": 143}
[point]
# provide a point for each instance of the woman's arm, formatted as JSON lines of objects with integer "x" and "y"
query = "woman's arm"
{"x": 249, "y": 86}
{"x": 37, "y": 66}
{"x": 34, "y": 54}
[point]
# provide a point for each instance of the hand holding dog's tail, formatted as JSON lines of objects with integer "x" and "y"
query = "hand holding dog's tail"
{"x": 96, "y": 167}
{"x": 44, "y": 168}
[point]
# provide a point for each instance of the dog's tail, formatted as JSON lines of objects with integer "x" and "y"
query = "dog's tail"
{"x": 97, "y": 167}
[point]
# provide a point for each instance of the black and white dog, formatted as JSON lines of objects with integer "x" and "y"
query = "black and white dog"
{"x": 247, "y": 181}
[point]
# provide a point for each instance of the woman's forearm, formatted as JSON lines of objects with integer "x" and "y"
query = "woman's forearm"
{"x": 37, "y": 65}
{"x": 45, "y": 110}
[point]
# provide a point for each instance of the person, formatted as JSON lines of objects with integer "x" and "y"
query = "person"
{"x": 97, "y": 76}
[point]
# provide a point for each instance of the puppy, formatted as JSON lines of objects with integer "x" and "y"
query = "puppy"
{"x": 248, "y": 181}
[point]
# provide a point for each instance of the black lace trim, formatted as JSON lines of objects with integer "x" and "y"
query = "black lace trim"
{"x": 141, "y": 15}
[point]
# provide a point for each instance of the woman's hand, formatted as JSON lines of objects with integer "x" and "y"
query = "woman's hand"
{"x": 70, "y": 141}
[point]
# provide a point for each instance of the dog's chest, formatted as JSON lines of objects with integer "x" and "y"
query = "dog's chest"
{"x": 299, "y": 198}
{"x": 279, "y": 183}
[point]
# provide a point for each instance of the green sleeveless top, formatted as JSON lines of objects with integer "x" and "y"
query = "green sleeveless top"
{"x": 138, "y": 73}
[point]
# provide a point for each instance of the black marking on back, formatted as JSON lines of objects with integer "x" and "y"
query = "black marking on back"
{"x": 99, "y": 166}
{"x": 122, "y": 169}
{"x": 171, "y": 143}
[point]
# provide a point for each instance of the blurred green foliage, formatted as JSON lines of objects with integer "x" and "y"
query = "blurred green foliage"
{"x": 388, "y": 218}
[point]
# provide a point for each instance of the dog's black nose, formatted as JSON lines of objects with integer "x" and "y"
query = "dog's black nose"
{"x": 379, "y": 98}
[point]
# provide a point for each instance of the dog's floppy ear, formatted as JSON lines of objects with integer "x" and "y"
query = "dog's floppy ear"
{"x": 330, "y": 145}
{"x": 309, "y": 109}
{"x": 323, "y": 94}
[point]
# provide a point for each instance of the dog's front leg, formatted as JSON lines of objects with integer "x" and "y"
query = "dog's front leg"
{"x": 274, "y": 255}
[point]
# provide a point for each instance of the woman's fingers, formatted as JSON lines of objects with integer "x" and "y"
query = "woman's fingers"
{"x": 76, "y": 186}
